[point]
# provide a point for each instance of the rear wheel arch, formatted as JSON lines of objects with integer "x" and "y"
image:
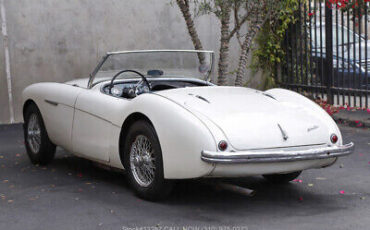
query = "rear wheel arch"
{"x": 130, "y": 120}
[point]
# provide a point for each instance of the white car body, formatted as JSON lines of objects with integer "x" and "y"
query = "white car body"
{"x": 271, "y": 132}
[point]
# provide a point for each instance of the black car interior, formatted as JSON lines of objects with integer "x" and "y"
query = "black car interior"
{"x": 149, "y": 83}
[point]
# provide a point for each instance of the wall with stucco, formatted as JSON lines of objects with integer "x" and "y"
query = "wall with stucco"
{"x": 53, "y": 40}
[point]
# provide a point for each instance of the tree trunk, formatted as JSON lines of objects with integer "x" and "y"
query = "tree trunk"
{"x": 185, "y": 10}
{"x": 241, "y": 72}
{"x": 224, "y": 47}
{"x": 254, "y": 27}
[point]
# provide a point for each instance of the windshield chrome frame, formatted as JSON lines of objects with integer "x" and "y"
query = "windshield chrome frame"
{"x": 106, "y": 56}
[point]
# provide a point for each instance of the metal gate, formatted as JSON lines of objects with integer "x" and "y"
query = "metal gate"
{"x": 327, "y": 54}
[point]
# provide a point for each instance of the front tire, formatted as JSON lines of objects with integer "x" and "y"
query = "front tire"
{"x": 282, "y": 178}
{"x": 143, "y": 162}
{"x": 39, "y": 148}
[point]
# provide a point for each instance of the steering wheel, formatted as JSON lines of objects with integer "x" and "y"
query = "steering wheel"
{"x": 144, "y": 80}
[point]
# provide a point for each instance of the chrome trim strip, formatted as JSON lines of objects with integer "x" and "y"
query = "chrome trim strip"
{"x": 277, "y": 156}
{"x": 52, "y": 102}
{"x": 285, "y": 136}
{"x": 92, "y": 75}
{"x": 202, "y": 98}
{"x": 96, "y": 116}
{"x": 164, "y": 50}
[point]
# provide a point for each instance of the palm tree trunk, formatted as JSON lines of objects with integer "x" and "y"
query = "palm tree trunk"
{"x": 185, "y": 10}
{"x": 241, "y": 72}
{"x": 254, "y": 28}
{"x": 224, "y": 47}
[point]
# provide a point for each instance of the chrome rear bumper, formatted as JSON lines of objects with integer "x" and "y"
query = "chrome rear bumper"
{"x": 277, "y": 156}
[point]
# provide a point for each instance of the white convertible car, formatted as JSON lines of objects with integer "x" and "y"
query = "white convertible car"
{"x": 156, "y": 114}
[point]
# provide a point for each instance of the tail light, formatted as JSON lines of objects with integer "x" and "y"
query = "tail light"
{"x": 333, "y": 138}
{"x": 222, "y": 145}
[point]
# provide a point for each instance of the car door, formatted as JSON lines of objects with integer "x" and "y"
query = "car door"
{"x": 92, "y": 124}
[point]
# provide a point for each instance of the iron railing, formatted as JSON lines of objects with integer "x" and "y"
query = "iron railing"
{"x": 327, "y": 54}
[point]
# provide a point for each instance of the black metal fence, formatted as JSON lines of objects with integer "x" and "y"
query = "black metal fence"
{"x": 327, "y": 54}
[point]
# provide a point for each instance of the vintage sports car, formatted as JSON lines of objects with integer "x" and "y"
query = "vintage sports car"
{"x": 156, "y": 114}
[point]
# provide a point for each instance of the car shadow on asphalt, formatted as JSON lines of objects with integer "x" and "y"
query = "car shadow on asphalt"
{"x": 206, "y": 192}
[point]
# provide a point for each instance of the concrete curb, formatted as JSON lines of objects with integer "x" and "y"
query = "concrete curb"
{"x": 357, "y": 118}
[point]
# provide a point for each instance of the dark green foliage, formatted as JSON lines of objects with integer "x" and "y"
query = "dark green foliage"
{"x": 269, "y": 51}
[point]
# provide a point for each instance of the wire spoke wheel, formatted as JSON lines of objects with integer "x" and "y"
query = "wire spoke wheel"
{"x": 142, "y": 161}
{"x": 39, "y": 148}
{"x": 34, "y": 133}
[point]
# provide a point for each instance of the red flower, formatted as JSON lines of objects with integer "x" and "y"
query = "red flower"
{"x": 344, "y": 3}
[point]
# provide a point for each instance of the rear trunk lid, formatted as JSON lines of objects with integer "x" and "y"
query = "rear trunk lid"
{"x": 251, "y": 119}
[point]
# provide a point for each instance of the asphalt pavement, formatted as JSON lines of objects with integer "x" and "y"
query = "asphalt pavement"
{"x": 73, "y": 193}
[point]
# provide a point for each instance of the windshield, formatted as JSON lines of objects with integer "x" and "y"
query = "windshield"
{"x": 155, "y": 64}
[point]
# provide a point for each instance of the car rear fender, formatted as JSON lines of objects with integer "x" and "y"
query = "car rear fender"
{"x": 297, "y": 99}
{"x": 181, "y": 134}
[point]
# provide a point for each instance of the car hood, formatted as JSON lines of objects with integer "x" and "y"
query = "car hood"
{"x": 251, "y": 119}
{"x": 80, "y": 82}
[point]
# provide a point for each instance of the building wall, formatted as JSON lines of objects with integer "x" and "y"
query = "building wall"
{"x": 4, "y": 104}
{"x": 53, "y": 40}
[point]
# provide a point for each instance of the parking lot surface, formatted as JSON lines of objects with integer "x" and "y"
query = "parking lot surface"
{"x": 73, "y": 193}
